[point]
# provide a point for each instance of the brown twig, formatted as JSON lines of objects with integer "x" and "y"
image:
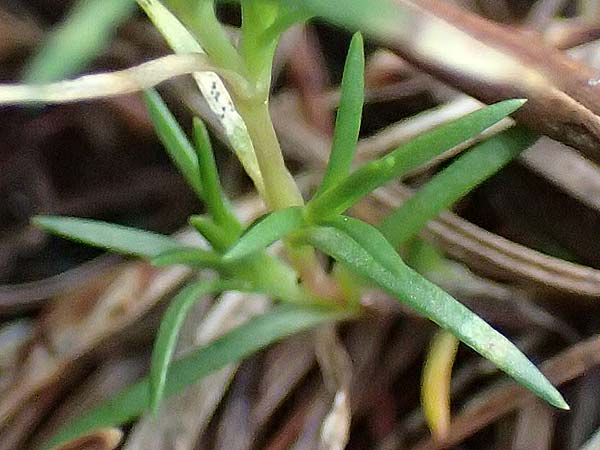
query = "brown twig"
{"x": 563, "y": 101}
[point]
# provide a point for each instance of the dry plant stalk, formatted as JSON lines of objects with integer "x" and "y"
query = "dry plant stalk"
{"x": 563, "y": 100}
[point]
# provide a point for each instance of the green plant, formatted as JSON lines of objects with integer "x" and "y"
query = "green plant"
{"x": 78, "y": 39}
{"x": 308, "y": 295}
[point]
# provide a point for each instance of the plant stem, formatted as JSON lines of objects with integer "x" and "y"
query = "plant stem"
{"x": 313, "y": 276}
{"x": 200, "y": 18}
{"x": 281, "y": 190}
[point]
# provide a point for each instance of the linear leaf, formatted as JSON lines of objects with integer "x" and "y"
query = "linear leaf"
{"x": 271, "y": 276}
{"x": 362, "y": 233}
{"x": 166, "y": 338}
{"x": 463, "y": 175}
{"x": 349, "y": 115}
{"x": 266, "y": 230}
{"x": 220, "y": 239}
{"x": 174, "y": 140}
{"x": 407, "y": 157}
{"x": 288, "y": 16}
{"x": 372, "y": 258}
{"x": 264, "y": 273}
{"x": 116, "y": 238}
{"x": 378, "y": 17}
{"x": 236, "y": 345}
{"x": 189, "y": 256}
{"x": 213, "y": 193}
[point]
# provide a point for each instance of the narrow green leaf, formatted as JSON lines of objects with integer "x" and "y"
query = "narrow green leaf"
{"x": 232, "y": 347}
{"x": 288, "y": 16}
{"x": 170, "y": 326}
{"x": 81, "y": 37}
{"x": 266, "y": 230}
{"x": 375, "y": 259}
{"x": 189, "y": 256}
{"x": 264, "y": 273}
{"x": 426, "y": 258}
{"x": 347, "y": 124}
{"x": 213, "y": 193}
{"x": 116, "y": 238}
{"x": 407, "y": 157}
{"x": 174, "y": 140}
{"x": 271, "y": 276}
{"x": 362, "y": 233}
{"x": 256, "y": 51}
{"x": 378, "y": 17}
{"x": 467, "y": 172}
{"x": 219, "y": 238}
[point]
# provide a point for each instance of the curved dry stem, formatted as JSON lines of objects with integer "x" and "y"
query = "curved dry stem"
{"x": 138, "y": 78}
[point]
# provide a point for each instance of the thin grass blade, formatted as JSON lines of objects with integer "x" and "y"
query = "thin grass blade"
{"x": 190, "y": 256}
{"x": 380, "y": 17}
{"x": 175, "y": 141}
{"x": 420, "y": 150}
{"x": 166, "y": 339}
{"x": 220, "y": 239}
{"x": 374, "y": 259}
{"x": 216, "y": 201}
{"x": 234, "y": 346}
{"x": 466, "y": 173}
{"x": 347, "y": 124}
{"x": 116, "y": 238}
{"x": 266, "y": 230}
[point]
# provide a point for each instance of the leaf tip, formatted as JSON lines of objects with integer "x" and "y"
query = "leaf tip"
{"x": 43, "y": 222}
{"x": 163, "y": 259}
{"x": 554, "y": 398}
{"x": 234, "y": 253}
{"x": 516, "y": 103}
{"x": 158, "y": 261}
{"x": 357, "y": 39}
{"x": 199, "y": 125}
{"x": 561, "y": 403}
{"x": 38, "y": 221}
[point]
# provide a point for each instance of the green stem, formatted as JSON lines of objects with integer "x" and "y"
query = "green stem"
{"x": 256, "y": 51}
{"x": 281, "y": 190}
{"x": 200, "y": 18}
